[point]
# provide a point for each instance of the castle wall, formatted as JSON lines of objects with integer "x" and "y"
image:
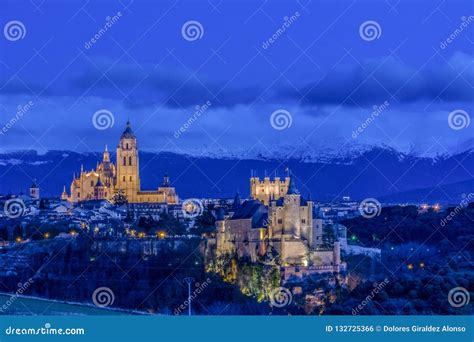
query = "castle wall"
{"x": 264, "y": 190}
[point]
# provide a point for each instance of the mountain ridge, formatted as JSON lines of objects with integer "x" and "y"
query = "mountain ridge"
{"x": 377, "y": 172}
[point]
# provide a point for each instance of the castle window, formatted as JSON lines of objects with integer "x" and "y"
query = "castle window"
{"x": 127, "y": 146}
{"x": 129, "y": 160}
{"x": 92, "y": 183}
{"x": 303, "y": 221}
{"x": 130, "y": 178}
{"x": 78, "y": 195}
{"x": 280, "y": 221}
{"x": 124, "y": 178}
{"x": 124, "y": 160}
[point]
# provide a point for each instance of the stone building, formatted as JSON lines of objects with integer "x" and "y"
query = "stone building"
{"x": 124, "y": 177}
{"x": 285, "y": 231}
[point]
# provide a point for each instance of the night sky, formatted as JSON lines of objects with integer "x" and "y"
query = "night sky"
{"x": 320, "y": 70}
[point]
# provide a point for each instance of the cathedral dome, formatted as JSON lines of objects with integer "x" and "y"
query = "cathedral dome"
{"x": 128, "y": 132}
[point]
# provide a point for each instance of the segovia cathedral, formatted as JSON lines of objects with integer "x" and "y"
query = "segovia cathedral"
{"x": 109, "y": 178}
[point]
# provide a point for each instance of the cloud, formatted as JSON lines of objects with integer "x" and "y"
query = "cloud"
{"x": 147, "y": 86}
{"x": 376, "y": 81}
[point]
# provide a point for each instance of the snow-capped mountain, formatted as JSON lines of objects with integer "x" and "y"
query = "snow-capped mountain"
{"x": 326, "y": 175}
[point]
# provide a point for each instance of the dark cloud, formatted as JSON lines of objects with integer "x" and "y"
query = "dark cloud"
{"x": 375, "y": 82}
{"x": 147, "y": 86}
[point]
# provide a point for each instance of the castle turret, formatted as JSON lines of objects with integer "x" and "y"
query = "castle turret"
{"x": 236, "y": 204}
{"x": 34, "y": 190}
{"x": 166, "y": 180}
{"x": 262, "y": 190}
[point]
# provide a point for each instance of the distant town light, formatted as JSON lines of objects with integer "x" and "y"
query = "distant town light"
{"x": 46, "y": 235}
{"x": 161, "y": 234}
{"x": 18, "y": 239}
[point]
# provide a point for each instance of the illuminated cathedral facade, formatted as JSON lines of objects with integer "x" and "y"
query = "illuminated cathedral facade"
{"x": 123, "y": 177}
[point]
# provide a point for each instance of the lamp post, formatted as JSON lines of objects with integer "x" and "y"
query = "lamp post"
{"x": 189, "y": 280}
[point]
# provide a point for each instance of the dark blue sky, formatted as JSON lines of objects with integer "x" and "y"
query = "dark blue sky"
{"x": 319, "y": 69}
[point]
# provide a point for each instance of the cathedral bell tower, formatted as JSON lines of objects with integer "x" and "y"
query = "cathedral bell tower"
{"x": 127, "y": 164}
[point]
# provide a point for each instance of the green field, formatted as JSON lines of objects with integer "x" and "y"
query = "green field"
{"x": 31, "y": 306}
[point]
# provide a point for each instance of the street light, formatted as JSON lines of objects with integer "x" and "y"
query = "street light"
{"x": 189, "y": 280}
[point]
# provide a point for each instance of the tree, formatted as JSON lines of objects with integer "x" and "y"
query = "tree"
{"x": 119, "y": 198}
{"x": 205, "y": 223}
{"x": 171, "y": 225}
